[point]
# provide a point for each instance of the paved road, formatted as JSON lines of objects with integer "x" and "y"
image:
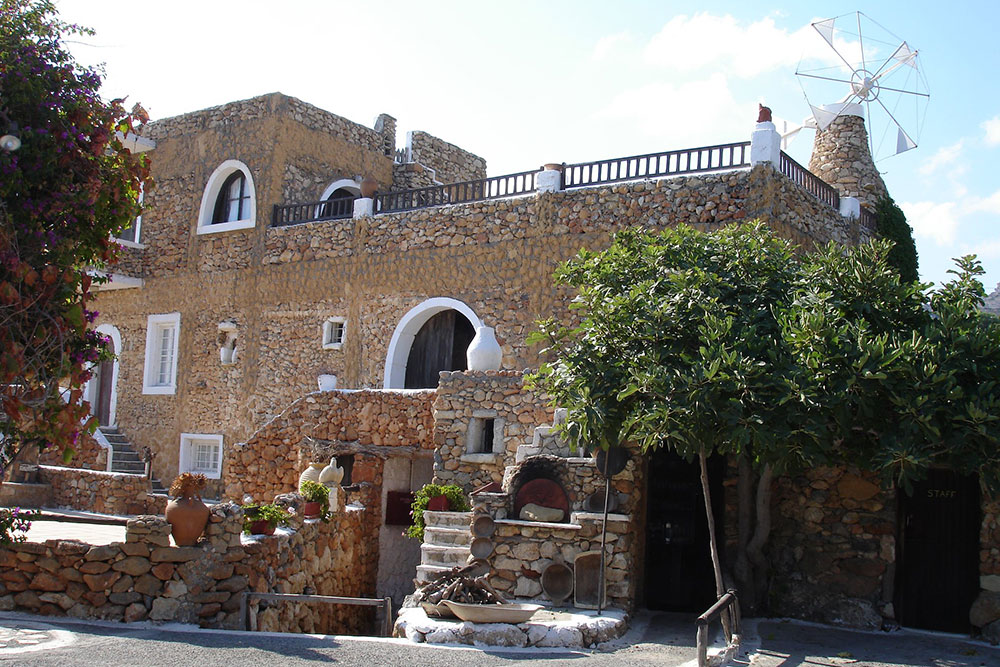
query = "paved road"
{"x": 656, "y": 639}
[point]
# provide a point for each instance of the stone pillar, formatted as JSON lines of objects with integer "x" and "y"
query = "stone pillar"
{"x": 765, "y": 145}
{"x": 364, "y": 206}
{"x": 549, "y": 179}
{"x": 841, "y": 156}
{"x": 385, "y": 125}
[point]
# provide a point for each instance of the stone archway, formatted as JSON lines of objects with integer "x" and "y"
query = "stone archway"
{"x": 411, "y": 325}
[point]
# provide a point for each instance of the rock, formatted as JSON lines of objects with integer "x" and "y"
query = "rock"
{"x": 147, "y": 584}
{"x": 95, "y": 567}
{"x": 44, "y": 581}
{"x": 175, "y": 554}
{"x": 125, "y": 598}
{"x": 985, "y": 610}
{"x": 7, "y": 603}
{"x": 853, "y": 613}
{"x": 164, "y": 609}
{"x": 133, "y": 565}
{"x": 101, "y": 582}
{"x": 562, "y": 636}
{"x": 232, "y": 584}
{"x": 533, "y": 512}
{"x": 28, "y": 599}
{"x": 106, "y": 552}
{"x": 164, "y": 571}
{"x": 856, "y": 488}
{"x": 175, "y": 589}
{"x": 135, "y": 612}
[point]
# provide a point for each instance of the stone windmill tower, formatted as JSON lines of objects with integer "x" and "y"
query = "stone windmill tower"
{"x": 841, "y": 157}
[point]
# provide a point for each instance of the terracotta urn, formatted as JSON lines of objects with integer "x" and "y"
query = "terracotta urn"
{"x": 484, "y": 353}
{"x": 368, "y": 187}
{"x": 187, "y": 517}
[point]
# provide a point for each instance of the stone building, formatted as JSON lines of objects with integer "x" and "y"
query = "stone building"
{"x": 259, "y": 273}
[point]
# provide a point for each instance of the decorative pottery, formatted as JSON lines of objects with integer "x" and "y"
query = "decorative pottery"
{"x": 262, "y": 527}
{"x": 439, "y": 610}
{"x": 368, "y": 187}
{"x": 438, "y": 504}
{"x": 481, "y": 547}
{"x": 484, "y": 353}
{"x": 331, "y": 475}
{"x": 311, "y": 473}
{"x": 483, "y": 526}
{"x": 552, "y": 166}
{"x": 492, "y": 613}
{"x": 312, "y": 509}
{"x": 187, "y": 517}
{"x": 557, "y": 582}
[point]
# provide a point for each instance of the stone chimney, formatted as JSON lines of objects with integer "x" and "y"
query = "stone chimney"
{"x": 841, "y": 156}
{"x": 385, "y": 125}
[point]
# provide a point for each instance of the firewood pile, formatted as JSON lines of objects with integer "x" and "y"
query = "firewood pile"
{"x": 458, "y": 585}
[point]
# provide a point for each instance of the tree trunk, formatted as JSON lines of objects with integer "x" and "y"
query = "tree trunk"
{"x": 743, "y": 570}
{"x": 755, "y": 549}
{"x": 713, "y": 545}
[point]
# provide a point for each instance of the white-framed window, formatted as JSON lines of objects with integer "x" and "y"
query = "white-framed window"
{"x": 201, "y": 453}
{"x": 333, "y": 333}
{"x": 130, "y": 236}
{"x": 162, "y": 334}
{"x": 229, "y": 201}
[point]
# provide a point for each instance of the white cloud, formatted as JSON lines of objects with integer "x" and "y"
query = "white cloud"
{"x": 706, "y": 41}
{"x": 989, "y": 204}
{"x": 944, "y": 156}
{"x": 992, "y": 129}
{"x": 697, "y": 111}
{"x": 611, "y": 45}
{"x": 937, "y": 221}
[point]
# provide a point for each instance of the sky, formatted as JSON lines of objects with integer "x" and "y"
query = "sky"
{"x": 524, "y": 83}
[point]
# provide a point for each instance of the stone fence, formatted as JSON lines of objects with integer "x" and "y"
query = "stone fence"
{"x": 270, "y": 462}
{"x": 144, "y": 578}
{"x": 100, "y": 491}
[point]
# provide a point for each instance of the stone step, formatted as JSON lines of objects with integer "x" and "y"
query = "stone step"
{"x": 447, "y": 519}
{"x": 130, "y": 468}
{"x": 447, "y": 537}
{"x": 431, "y": 554}
{"x": 426, "y": 572}
{"x": 126, "y": 455}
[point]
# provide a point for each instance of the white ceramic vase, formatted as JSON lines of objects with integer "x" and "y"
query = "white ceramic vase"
{"x": 311, "y": 473}
{"x": 484, "y": 353}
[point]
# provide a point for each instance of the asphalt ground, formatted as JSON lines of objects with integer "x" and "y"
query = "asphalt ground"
{"x": 654, "y": 639}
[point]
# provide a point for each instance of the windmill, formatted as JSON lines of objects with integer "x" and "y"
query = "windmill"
{"x": 864, "y": 69}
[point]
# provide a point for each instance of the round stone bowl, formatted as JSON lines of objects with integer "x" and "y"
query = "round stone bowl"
{"x": 492, "y": 613}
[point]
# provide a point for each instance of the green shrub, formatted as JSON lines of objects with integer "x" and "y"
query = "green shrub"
{"x": 314, "y": 492}
{"x": 269, "y": 512}
{"x": 891, "y": 224}
{"x": 457, "y": 502}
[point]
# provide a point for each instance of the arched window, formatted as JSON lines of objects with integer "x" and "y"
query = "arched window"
{"x": 229, "y": 200}
{"x": 233, "y": 202}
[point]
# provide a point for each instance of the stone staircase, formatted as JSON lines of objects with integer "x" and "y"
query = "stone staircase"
{"x": 446, "y": 543}
{"x": 125, "y": 459}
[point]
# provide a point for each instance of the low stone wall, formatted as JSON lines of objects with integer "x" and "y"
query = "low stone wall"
{"x": 450, "y": 163}
{"x": 144, "y": 578}
{"x": 100, "y": 491}
{"x": 463, "y": 396}
{"x": 833, "y": 543}
{"x": 270, "y": 462}
{"x": 87, "y": 454}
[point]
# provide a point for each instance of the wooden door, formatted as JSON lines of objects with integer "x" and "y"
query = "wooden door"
{"x": 937, "y": 576}
{"x": 440, "y": 345}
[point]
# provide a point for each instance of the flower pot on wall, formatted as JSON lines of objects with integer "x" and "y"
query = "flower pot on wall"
{"x": 484, "y": 353}
{"x": 312, "y": 509}
{"x": 262, "y": 527}
{"x": 187, "y": 517}
{"x": 438, "y": 504}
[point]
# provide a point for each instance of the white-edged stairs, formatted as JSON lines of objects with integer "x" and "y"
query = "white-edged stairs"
{"x": 446, "y": 543}
{"x": 125, "y": 459}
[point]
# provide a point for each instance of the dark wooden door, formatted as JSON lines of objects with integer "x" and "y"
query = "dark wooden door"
{"x": 937, "y": 576}
{"x": 105, "y": 379}
{"x": 678, "y": 575}
{"x": 440, "y": 345}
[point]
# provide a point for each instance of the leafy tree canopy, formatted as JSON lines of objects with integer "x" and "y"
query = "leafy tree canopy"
{"x": 891, "y": 224}
{"x": 64, "y": 193}
{"x": 734, "y": 342}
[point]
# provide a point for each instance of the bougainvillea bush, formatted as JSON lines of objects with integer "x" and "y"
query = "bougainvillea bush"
{"x": 68, "y": 189}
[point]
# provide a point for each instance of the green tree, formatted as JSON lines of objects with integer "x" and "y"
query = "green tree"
{"x": 64, "y": 193}
{"x": 891, "y": 224}
{"x": 733, "y": 343}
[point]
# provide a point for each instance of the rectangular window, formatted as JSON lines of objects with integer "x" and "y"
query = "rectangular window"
{"x": 201, "y": 453}
{"x": 162, "y": 334}
{"x": 333, "y": 333}
{"x": 485, "y": 434}
{"x": 131, "y": 233}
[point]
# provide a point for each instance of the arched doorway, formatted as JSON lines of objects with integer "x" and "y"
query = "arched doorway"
{"x": 102, "y": 390}
{"x": 430, "y": 338}
{"x": 339, "y": 199}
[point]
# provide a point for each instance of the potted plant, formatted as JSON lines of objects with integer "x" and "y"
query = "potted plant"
{"x": 317, "y": 496}
{"x": 186, "y": 513}
{"x": 263, "y": 519}
{"x": 436, "y": 498}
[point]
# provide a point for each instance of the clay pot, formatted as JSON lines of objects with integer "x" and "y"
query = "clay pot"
{"x": 552, "y": 166}
{"x": 368, "y": 187}
{"x": 311, "y": 510}
{"x": 438, "y": 504}
{"x": 187, "y": 518}
{"x": 311, "y": 473}
{"x": 262, "y": 527}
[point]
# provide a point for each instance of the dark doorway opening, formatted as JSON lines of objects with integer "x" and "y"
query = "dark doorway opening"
{"x": 937, "y": 575}
{"x": 679, "y": 574}
{"x": 340, "y": 204}
{"x": 104, "y": 378}
{"x": 440, "y": 345}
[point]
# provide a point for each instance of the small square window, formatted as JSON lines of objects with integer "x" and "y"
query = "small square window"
{"x": 484, "y": 436}
{"x": 201, "y": 453}
{"x": 333, "y": 333}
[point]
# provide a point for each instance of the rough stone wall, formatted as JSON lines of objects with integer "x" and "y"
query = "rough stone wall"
{"x": 465, "y": 395}
{"x": 989, "y": 541}
{"x": 450, "y": 163}
{"x": 144, "y": 578}
{"x": 130, "y": 262}
{"x": 367, "y": 421}
{"x": 88, "y": 454}
{"x": 100, "y": 491}
{"x": 841, "y": 157}
{"x": 385, "y": 126}
{"x": 832, "y": 548}
{"x": 410, "y": 176}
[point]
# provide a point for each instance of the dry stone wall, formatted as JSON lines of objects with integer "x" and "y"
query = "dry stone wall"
{"x": 144, "y": 578}
{"x": 450, "y": 163}
{"x": 100, "y": 491}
